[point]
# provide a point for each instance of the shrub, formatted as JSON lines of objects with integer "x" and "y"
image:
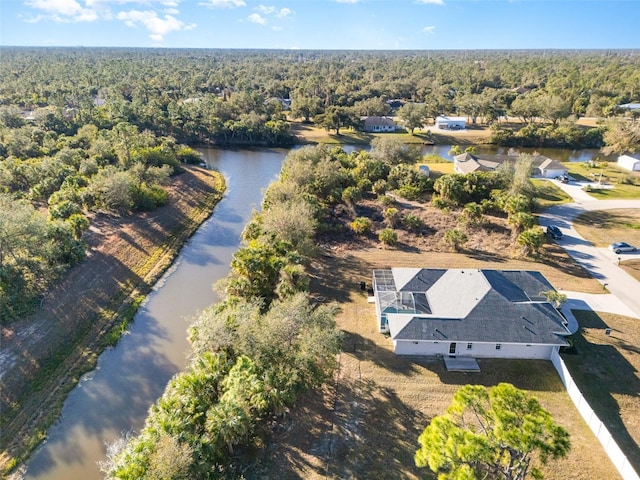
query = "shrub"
{"x": 441, "y": 203}
{"x": 410, "y": 192}
{"x": 188, "y": 155}
{"x": 351, "y": 195}
{"x": 531, "y": 240}
{"x": 147, "y": 198}
{"x": 379, "y": 187}
{"x": 386, "y": 200}
{"x": 364, "y": 185}
{"x": 412, "y": 222}
{"x": 361, "y": 225}
{"x": 392, "y": 216}
{"x": 388, "y": 236}
{"x": 455, "y": 238}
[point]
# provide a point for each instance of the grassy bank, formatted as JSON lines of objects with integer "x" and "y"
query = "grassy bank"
{"x": 92, "y": 308}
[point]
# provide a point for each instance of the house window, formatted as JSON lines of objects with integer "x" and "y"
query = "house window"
{"x": 469, "y": 346}
{"x": 498, "y": 346}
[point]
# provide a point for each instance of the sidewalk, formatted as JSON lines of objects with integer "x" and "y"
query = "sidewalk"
{"x": 598, "y": 262}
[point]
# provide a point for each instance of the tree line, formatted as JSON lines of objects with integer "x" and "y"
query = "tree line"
{"x": 228, "y": 97}
{"x": 52, "y": 184}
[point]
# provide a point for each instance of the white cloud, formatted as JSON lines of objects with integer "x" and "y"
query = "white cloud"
{"x": 257, "y": 18}
{"x": 149, "y": 19}
{"x": 223, "y": 3}
{"x": 432, "y": 2}
{"x": 284, "y": 13}
{"x": 62, "y": 11}
{"x": 347, "y": 1}
{"x": 266, "y": 10}
{"x": 429, "y": 29}
{"x": 276, "y": 28}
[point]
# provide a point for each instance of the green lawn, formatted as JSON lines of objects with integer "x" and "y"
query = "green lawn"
{"x": 440, "y": 168}
{"x": 549, "y": 193}
{"x": 625, "y": 184}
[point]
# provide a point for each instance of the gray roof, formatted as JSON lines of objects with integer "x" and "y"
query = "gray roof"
{"x": 468, "y": 162}
{"x": 469, "y": 305}
{"x": 380, "y": 121}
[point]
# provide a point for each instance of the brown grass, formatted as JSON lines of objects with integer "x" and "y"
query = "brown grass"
{"x": 606, "y": 369}
{"x": 366, "y": 424}
{"x": 604, "y": 227}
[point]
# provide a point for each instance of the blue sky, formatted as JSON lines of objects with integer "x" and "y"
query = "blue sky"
{"x": 323, "y": 24}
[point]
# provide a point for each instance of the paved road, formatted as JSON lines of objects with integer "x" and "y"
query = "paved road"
{"x": 600, "y": 262}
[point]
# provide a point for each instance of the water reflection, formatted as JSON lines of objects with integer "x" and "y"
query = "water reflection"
{"x": 116, "y": 396}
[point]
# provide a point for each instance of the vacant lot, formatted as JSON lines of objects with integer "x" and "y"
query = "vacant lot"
{"x": 604, "y": 227}
{"x": 366, "y": 424}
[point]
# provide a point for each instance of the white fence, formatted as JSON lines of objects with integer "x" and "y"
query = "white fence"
{"x": 612, "y": 449}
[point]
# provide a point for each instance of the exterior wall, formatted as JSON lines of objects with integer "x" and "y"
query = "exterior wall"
{"x": 552, "y": 173}
{"x": 445, "y": 123}
{"x": 629, "y": 163}
{"x": 615, "y": 453}
{"x": 478, "y": 350}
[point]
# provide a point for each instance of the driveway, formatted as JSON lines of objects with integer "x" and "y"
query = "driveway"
{"x": 592, "y": 301}
{"x": 600, "y": 262}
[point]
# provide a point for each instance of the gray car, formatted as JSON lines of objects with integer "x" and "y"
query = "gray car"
{"x": 620, "y": 247}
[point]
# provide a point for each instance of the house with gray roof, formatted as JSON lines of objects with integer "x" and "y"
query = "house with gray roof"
{"x": 468, "y": 312}
{"x": 542, "y": 166}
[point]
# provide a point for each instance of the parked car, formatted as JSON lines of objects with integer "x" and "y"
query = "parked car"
{"x": 620, "y": 247}
{"x": 563, "y": 178}
{"x": 554, "y": 232}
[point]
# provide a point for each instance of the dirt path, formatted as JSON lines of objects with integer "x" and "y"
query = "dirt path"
{"x": 43, "y": 356}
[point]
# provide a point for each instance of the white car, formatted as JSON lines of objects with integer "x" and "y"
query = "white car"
{"x": 620, "y": 247}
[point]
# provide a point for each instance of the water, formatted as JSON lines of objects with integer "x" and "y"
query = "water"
{"x": 116, "y": 396}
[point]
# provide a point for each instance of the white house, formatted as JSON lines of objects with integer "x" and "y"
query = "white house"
{"x": 629, "y": 162}
{"x": 468, "y": 313}
{"x": 379, "y": 124}
{"x": 542, "y": 166}
{"x": 548, "y": 168}
{"x": 451, "y": 123}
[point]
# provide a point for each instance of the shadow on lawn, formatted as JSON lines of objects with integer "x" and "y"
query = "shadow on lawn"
{"x": 600, "y": 371}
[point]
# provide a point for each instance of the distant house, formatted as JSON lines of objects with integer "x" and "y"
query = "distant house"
{"x": 468, "y": 313}
{"x": 395, "y": 103}
{"x": 543, "y": 167}
{"x": 377, "y": 124}
{"x": 451, "y": 123}
{"x": 629, "y": 162}
{"x": 467, "y": 163}
{"x": 548, "y": 168}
